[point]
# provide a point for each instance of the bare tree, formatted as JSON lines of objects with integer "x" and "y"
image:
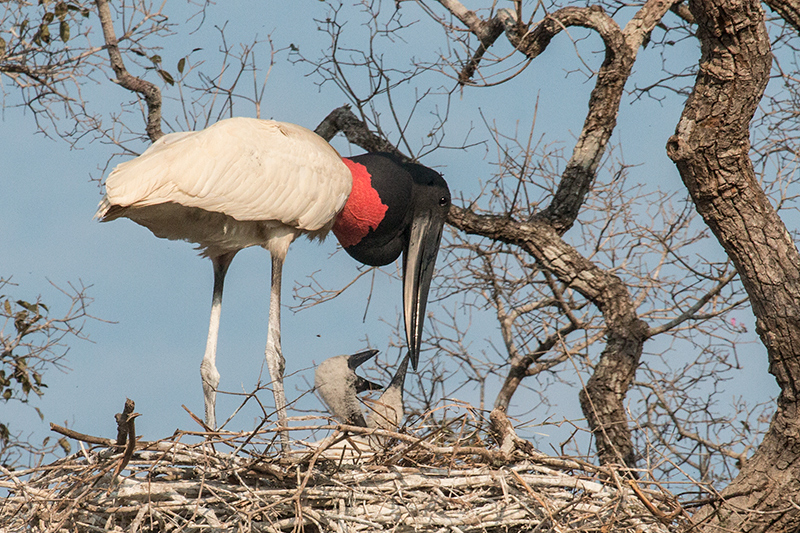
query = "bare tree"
{"x": 556, "y": 302}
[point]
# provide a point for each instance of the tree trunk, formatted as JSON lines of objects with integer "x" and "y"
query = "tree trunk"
{"x": 710, "y": 149}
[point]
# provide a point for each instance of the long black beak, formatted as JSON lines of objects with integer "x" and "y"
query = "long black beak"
{"x": 399, "y": 378}
{"x": 356, "y": 360}
{"x": 419, "y": 260}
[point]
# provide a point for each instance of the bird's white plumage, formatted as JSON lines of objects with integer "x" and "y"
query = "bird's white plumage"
{"x": 241, "y": 182}
{"x": 262, "y": 174}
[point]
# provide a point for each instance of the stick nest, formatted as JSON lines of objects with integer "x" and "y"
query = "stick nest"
{"x": 401, "y": 482}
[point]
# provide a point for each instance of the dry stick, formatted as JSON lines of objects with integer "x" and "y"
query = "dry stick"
{"x": 324, "y": 445}
{"x": 201, "y": 423}
{"x": 489, "y": 455}
{"x": 253, "y": 433}
{"x": 534, "y": 495}
{"x": 129, "y": 449}
{"x": 208, "y": 504}
{"x": 122, "y": 430}
{"x": 72, "y": 500}
{"x": 122, "y": 421}
{"x": 110, "y": 443}
{"x": 82, "y": 436}
{"x": 663, "y": 517}
{"x": 415, "y": 442}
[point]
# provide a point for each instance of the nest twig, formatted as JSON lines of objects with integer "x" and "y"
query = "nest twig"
{"x": 355, "y": 479}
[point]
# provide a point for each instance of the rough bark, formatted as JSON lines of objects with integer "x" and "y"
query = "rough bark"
{"x": 621, "y": 49}
{"x": 710, "y": 149}
{"x": 357, "y": 132}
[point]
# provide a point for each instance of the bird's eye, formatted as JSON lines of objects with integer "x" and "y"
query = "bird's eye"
{"x": 443, "y": 201}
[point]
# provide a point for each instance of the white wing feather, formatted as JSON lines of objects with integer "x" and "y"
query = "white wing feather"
{"x": 248, "y": 169}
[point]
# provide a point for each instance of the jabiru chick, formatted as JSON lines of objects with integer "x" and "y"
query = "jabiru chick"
{"x": 388, "y": 410}
{"x": 336, "y": 381}
{"x": 338, "y": 385}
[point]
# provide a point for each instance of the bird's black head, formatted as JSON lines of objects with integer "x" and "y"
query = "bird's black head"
{"x": 407, "y": 204}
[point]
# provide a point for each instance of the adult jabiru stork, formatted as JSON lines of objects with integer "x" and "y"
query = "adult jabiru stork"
{"x": 247, "y": 182}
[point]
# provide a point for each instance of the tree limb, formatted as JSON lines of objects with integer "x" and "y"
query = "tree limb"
{"x": 150, "y": 92}
{"x": 789, "y": 10}
{"x": 343, "y": 120}
{"x": 602, "y": 399}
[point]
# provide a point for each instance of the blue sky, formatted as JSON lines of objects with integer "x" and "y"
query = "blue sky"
{"x": 153, "y": 296}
